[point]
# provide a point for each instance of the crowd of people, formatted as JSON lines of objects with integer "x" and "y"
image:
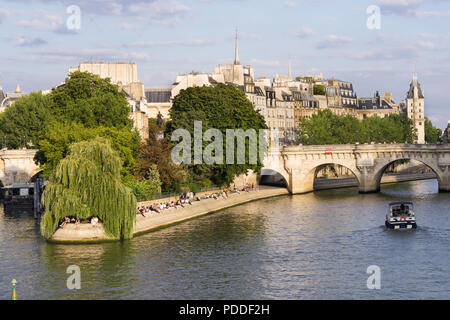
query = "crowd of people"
{"x": 75, "y": 220}
{"x": 187, "y": 198}
{"x": 184, "y": 199}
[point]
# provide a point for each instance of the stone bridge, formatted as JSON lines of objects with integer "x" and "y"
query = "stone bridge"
{"x": 298, "y": 164}
{"x": 17, "y": 166}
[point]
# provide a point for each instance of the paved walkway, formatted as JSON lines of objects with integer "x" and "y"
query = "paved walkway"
{"x": 154, "y": 220}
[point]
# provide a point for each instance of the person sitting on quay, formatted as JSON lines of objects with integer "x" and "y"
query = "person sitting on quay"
{"x": 65, "y": 221}
{"x": 179, "y": 203}
{"x": 94, "y": 221}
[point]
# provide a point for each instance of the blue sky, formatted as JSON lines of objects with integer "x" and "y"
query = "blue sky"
{"x": 169, "y": 37}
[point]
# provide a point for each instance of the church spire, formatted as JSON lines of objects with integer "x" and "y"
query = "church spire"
{"x": 236, "y": 50}
{"x": 290, "y": 70}
{"x": 415, "y": 79}
{"x": 18, "y": 88}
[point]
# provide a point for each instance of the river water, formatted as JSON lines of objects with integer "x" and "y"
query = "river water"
{"x": 313, "y": 246}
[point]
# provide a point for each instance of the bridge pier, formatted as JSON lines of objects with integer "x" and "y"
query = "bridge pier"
{"x": 444, "y": 181}
{"x": 368, "y": 181}
{"x": 300, "y": 182}
{"x": 368, "y": 185}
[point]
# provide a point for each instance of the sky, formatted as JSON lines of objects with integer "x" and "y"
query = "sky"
{"x": 338, "y": 38}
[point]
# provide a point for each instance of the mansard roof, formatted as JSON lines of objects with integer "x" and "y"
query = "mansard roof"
{"x": 158, "y": 95}
{"x": 373, "y": 104}
{"x": 259, "y": 91}
{"x": 303, "y": 96}
{"x": 414, "y": 84}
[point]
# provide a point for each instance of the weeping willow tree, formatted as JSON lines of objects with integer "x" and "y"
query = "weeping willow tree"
{"x": 86, "y": 184}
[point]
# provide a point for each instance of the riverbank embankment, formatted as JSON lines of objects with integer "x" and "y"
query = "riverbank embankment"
{"x": 73, "y": 233}
{"x": 154, "y": 221}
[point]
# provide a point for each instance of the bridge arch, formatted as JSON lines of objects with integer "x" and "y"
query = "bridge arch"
{"x": 36, "y": 175}
{"x": 273, "y": 177}
{"x": 310, "y": 175}
{"x": 301, "y": 179}
{"x": 381, "y": 168}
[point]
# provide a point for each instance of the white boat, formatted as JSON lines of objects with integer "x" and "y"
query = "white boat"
{"x": 401, "y": 216}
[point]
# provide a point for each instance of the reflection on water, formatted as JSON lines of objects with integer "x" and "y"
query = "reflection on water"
{"x": 312, "y": 246}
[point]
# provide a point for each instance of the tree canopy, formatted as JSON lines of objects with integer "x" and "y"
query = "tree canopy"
{"x": 87, "y": 184}
{"x": 156, "y": 151}
{"x": 22, "y": 122}
{"x": 55, "y": 143}
{"x": 319, "y": 89}
{"x": 90, "y": 100}
{"x": 432, "y": 134}
{"x": 220, "y": 107}
{"x": 85, "y": 98}
{"x": 325, "y": 127}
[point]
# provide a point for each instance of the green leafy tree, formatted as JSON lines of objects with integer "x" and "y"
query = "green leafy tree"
{"x": 85, "y": 98}
{"x": 145, "y": 186}
{"x": 56, "y": 139}
{"x": 319, "y": 89}
{"x": 87, "y": 184}
{"x": 432, "y": 134}
{"x": 92, "y": 101}
{"x": 221, "y": 107}
{"x": 22, "y": 122}
{"x": 157, "y": 150}
{"x": 325, "y": 127}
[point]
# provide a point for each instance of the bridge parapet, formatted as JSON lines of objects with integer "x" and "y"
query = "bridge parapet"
{"x": 368, "y": 162}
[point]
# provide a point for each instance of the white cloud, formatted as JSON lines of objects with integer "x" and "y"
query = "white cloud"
{"x": 4, "y": 13}
{"x": 429, "y": 14}
{"x": 45, "y": 20}
{"x": 289, "y": 4}
{"x": 246, "y": 36}
{"x": 305, "y": 32}
{"x": 391, "y": 53}
{"x": 428, "y": 45}
{"x": 399, "y": 6}
{"x": 179, "y": 43}
{"x": 264, "y": 63}
{"x": 333, "y": 41}
{"x": 71, "y": 56}
{"x": 23, "y": 41}
{"x": 428, "y": 35}
{"x": 162, "y": 12}
{"x": 159, "y": 12}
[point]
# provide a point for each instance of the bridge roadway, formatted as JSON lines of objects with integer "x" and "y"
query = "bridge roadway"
{"x": 298, "y": 164}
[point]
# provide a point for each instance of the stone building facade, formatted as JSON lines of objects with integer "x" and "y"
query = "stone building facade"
{"x": 415, "y": 108}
